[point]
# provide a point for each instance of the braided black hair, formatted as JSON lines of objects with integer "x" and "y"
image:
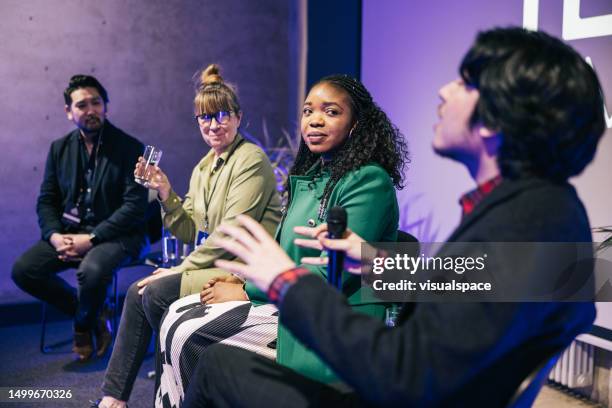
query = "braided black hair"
{"x": 374, "y": 139}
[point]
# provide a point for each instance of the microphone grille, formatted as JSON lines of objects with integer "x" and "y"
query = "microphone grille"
{"x": 336, "y": 221}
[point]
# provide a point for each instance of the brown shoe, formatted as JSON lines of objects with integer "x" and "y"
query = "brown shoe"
{"x": 82, "y": 345}
{"x": 104, "y": 335}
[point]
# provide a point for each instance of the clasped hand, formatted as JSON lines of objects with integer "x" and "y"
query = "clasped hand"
{"x": 71, "y": 247}
{"x": 222, "y": 289}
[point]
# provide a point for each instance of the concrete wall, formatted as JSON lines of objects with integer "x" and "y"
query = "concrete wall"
{"x": 145, "y": 53}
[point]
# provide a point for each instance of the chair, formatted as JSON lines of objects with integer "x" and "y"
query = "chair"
{"x": 528, "y": 389}
{"x": 405, "y": 237}
{"x": 395, "y": 310}
{"x": 153, "y": 228}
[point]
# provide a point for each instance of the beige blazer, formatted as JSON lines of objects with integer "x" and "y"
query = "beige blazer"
{"x": 243, "y": 184}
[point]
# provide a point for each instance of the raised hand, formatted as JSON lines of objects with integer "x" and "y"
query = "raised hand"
{"x": 350, "y": 244}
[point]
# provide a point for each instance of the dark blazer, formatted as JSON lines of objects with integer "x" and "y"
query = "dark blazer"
{"x": 453, "y": 354}
{"x": 119, "y": 203}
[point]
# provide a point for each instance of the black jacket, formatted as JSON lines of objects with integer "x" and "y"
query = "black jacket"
{"x": 119, "y": 203}
{"x": 453, "y": 354}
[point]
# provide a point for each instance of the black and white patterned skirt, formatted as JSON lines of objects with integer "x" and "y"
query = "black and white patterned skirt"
{"x": 189, "y": 327}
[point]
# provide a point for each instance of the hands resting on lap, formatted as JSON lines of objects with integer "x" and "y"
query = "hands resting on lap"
{"x": 264, "y": 259}
{"x": 223, "y": 289}
{"x": 70, "y": 247}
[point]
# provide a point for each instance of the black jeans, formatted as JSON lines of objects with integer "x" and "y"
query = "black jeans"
{"x": 36, "y": 271}
{"x": 228, "y": 376}
{"x": 140, "y": 317}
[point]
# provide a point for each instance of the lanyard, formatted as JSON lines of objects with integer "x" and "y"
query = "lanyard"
{"x": 208, "y": 195}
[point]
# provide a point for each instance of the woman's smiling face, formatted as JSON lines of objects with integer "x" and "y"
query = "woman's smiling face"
{"x": 327, "y": 118}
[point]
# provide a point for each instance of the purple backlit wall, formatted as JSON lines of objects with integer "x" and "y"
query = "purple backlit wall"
{"x": 410, "y": 49}
{"x": 145, "y": 53}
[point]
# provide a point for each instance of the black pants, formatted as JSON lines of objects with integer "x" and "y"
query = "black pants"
{"x": 36, "y": 271}
{"x": 140, "y": 317}
{"x": 231, "y": 377}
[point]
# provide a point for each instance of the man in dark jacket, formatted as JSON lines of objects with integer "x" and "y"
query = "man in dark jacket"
{"x": 524, "y": 116}
{"x": 90, "y": 213}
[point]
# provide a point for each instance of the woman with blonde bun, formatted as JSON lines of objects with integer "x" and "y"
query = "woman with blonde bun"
{"x": 234, "y": 177}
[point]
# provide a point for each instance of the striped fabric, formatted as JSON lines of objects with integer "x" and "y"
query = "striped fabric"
{"x": 189, "y": 327}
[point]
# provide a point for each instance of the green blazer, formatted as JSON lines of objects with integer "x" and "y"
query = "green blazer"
{"x": 244, "y": 184}
{"x": 368, "y": 195}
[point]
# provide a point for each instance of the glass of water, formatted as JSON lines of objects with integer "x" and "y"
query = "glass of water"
{"x": 152, "y": 156}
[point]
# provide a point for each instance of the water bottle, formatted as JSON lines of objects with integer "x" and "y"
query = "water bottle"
{"x": 186, "y": 250}
{"x": 170, "y": 248}
{"x": 391, "y": 315}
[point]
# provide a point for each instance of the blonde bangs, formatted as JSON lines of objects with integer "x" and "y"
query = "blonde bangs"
{"x": 214, "y": 98}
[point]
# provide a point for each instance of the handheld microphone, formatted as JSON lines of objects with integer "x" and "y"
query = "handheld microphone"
{"x": 336, "y": 226}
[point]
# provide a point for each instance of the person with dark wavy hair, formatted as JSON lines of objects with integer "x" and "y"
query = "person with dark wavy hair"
{"x": 525, "y": 114}
{"x": 354, "y": 173}
{"x": 373, "y": 139}
{"x": 350, "y": 155}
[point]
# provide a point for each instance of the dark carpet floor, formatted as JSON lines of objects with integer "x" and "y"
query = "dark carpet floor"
{"x": 23, "y": 365}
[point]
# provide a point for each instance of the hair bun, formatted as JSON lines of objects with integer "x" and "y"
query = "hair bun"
{"x": 210, "y": 75}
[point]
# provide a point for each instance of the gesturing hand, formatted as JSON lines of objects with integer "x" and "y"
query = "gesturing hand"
{"x": 350, "y": 244}
{"x": 263, "y": 258}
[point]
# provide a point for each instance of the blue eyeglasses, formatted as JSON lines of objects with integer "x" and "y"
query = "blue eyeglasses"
{"x": 222, "y": 117}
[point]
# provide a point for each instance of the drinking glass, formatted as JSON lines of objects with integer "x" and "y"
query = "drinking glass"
{"x": 152, "y": 156}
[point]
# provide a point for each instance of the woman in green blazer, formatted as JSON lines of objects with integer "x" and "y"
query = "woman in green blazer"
{"x": 352, "y": 156}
